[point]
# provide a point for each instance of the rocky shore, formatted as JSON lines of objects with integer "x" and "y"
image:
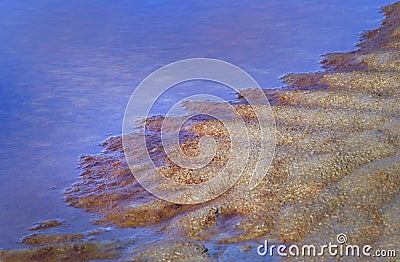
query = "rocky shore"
{"x": 336, "y": 170}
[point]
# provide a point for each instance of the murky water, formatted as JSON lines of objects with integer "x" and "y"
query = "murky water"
{"x": 69, "y": 67}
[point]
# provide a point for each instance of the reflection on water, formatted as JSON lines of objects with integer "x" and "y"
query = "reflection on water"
{"x": 69, "y": 67}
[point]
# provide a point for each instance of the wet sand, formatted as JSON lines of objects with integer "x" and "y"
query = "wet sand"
{"x": 336, "y": 170}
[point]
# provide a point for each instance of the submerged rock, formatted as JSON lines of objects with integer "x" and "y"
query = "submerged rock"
{"x": 46, "y": 224}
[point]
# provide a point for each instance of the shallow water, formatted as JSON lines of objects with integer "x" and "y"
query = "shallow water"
{"x": 68, "y": 69}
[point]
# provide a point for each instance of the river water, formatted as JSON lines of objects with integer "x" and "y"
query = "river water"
{"x": 69, "y": 67}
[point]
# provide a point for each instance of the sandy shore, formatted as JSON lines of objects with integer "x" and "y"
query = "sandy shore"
{"x": 336, "y": 170}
